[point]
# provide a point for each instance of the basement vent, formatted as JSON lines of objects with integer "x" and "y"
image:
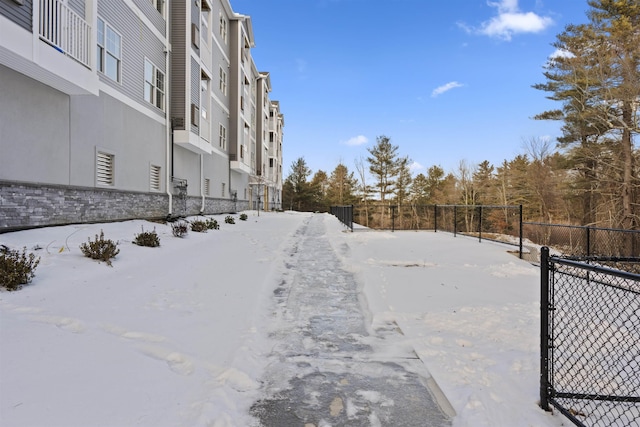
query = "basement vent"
{"x": 154, "y": 177}
{"x": 105, "y": 174}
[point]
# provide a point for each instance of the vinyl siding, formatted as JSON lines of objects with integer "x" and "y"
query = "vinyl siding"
{"x": 138, "y": 42}
{"x": 22, "y": 15}
{"x": 178, "y": 63}
{"x": 152, "y": 14}
{"x": 195, "y": 89}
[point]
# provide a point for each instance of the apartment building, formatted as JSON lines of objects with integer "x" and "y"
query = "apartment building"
{"x": 120, "y": 109}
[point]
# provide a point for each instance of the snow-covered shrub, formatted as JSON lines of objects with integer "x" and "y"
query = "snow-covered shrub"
{"x": 179, "y": 229}
{"x": 229, "y": 220}
{"x": 212, "y": 224}
{"x": 147, "y": 238}
{"x": 243, "y": 217}
{"x": 16, "y": 268}
{"x": 100, "y": 249}
{"x": 199, "y": 226}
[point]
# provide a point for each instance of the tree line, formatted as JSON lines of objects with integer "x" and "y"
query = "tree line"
{"x": 592, "y": 175}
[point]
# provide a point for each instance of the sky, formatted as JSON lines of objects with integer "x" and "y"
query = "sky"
{"x": 446, "y": 81}
{"x": 184, "y": 334}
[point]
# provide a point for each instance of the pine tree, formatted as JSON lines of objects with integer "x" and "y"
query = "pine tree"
{"x": 297, "y": 192}
{"x": 341, "y": 186}
{"x": 384, "y": 165}
{"x": 597, "y": 79}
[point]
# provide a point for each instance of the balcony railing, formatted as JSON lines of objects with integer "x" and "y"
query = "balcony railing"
{"x": 65, "y": 30}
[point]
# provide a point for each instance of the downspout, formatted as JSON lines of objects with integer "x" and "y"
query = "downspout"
{"x": 202, "y": 182}
{"x": 169, "y": 123}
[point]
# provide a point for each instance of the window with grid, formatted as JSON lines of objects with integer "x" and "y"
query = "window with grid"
{"x": 109, "y": 61}
{"x": 222, "y": 137}
{"x": 158, "y": 5}
{"x": 207, "y": 187}
{"x": 223, "y": 28}
{"x": 153, "y": 84}
{"x": 223, "y": 81}
{"x": 105, "y": 172}
{"x": 223, "y": 189}
{"x": 154, "y": 177}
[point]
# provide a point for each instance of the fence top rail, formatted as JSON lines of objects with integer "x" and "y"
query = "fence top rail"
{"x": 622, "y": 230}
{"x": 595, "y": 268}
{"x": 443, "y": 206}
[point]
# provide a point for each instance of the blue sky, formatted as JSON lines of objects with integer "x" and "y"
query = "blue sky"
{"x": 445, "y": 80}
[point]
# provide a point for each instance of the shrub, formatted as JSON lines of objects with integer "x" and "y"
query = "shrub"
{"x": 147, "y": 238}
{"x": 229, "y": 220}
{"x": 212, "y": 224}
{"x": 179, "y": 229}
{"x": 199, "y": 226}
{"x": 243, "y": 217}
{"x": 16, "y": 268}
{"x": 100, "y": 249}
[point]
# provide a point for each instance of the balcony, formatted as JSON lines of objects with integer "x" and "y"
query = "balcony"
{"x": 58, "y": 51}
{"x": 65, "y": 31}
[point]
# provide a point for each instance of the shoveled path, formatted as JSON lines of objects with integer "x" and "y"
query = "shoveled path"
{"x": 327, "y": 368}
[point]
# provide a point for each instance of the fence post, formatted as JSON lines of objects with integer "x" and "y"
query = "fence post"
{"x": 588, "y": 252}
{"x": 544, "y": 328}
{"x": 521, "y": 231}
{"x": 455, "y": 220}
{"x": 393, "y": 218}
{"x": 351, "y": 218}
{"x": 480, "y": 224}
{"x": 435, "y": 218}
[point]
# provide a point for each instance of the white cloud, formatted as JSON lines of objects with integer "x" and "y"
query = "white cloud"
{"x": 415, "y": 166}
{"x": 357, "y": 140}
{"x": 444, "y": 88}
{"x": 510, "y": 20}
{"x": 561, "y": 53}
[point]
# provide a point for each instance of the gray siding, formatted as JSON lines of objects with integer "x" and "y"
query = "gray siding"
{"x": 22, "y": 15}
{"x": 178, "y": 63}
{"x": 152, "y": 14}
{"x": 78, "y": 6}
{"x": 195, "y": 20}
{"x": 195, "y": 89}
{"x": 137, "y": 42}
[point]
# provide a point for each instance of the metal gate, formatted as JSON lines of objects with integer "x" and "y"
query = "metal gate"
{"x": 590, "y": 339}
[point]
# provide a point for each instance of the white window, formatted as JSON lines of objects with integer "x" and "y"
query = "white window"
{"x": 204, "y": 97}
{"x": 222, "y": 137}
{"x": 223, "y": 189}
{"x": 153, "y": 85}
{"x": 223, "y": 81}
{"x": 223, "y": 28}
{"x": 204, "y": 21}
{"x": 158, "y": 5}
{"x": 105, "y": 171}
{"x": 109, "y": 51}
{"x": 154, "y": 177}
{"x": 207, "y": 187}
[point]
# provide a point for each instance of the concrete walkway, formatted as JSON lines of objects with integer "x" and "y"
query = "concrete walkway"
{"x": 327, "y": 368}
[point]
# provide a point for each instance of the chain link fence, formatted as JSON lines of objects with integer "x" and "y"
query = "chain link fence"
{"x": 590, "y": 339}
{"x": 584, "y": 241}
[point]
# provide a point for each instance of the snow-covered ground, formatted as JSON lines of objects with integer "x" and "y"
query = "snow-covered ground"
{"x": 177, "y": 335}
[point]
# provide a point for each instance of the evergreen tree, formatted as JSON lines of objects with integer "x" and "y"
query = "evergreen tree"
{"x": 597, "y": 78}
{"x": 384, "y": 165}
{"x": 341, "y": 186}
{"x": 403, "y": 181}
{"x": 297, "y": 192}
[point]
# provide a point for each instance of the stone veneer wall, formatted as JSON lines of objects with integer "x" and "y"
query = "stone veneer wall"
{"x": 26, "y": 205}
